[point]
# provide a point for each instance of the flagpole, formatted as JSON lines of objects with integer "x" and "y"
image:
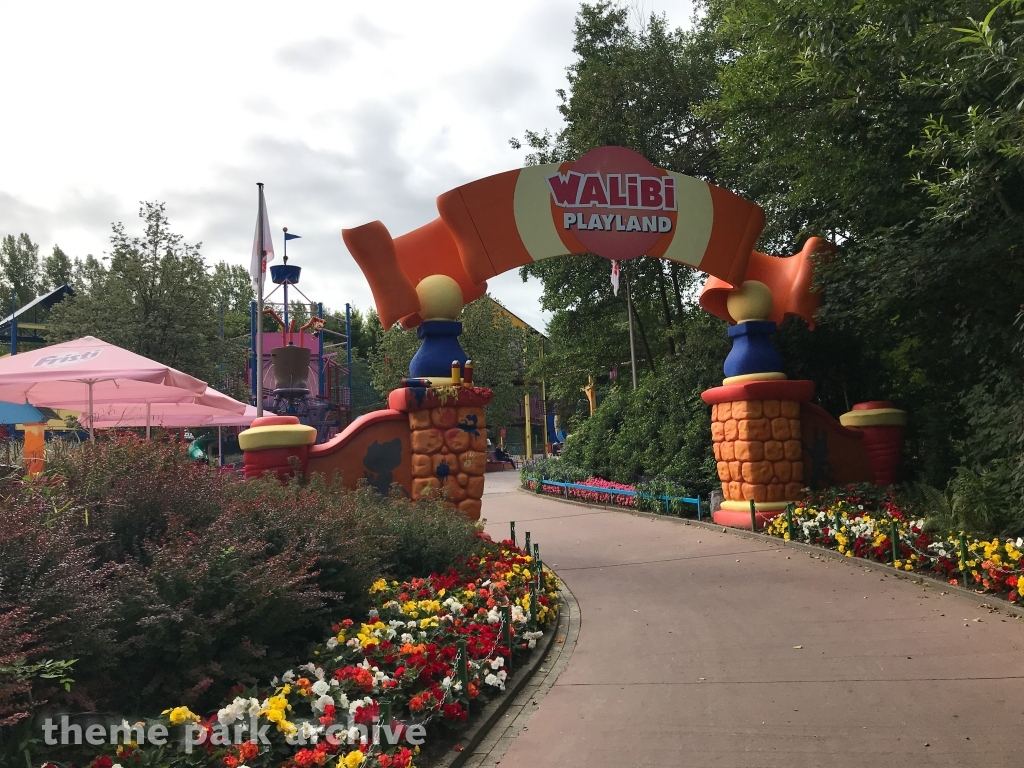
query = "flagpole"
{"x": 629, "y": 310}
{"x": 259, "y": 308}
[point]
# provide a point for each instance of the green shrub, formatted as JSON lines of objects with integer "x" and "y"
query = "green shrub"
{"x": 661, "y": 428}
{"x": 663, "y": 485}
{"x": 181, "y": 582}
{"x": 551, "y": 468}
{"x": 984, "y": 504}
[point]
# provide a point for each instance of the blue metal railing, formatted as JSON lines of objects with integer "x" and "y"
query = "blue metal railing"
{"x": 617, "y": 492}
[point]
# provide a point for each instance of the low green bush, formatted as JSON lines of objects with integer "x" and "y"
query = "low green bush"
{"x": 161, "y": 576}
{"x": 650, "y": 490}
{"x": 551, "y": 468}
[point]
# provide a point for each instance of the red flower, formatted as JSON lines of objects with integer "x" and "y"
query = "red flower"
{"x": 102, "y": 762}
{"x": 248, "y": 750}
{"x": 366, "y": 715}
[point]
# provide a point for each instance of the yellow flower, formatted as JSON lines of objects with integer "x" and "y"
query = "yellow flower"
{"x": 380, "y": 585}
{"x": 274, "y": 715}
{"x": 352, "y": 760}
{"x": 179, "y": 715}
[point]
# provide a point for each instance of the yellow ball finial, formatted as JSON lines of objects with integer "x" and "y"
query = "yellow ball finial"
{"x": 751, "y": 301}
{"x": 440, "y": 298}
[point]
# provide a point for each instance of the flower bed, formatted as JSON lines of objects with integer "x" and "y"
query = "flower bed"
{"x": 595, "y": 496}
{"x": 859, "y": 523}
{"x": 428, "y": 649}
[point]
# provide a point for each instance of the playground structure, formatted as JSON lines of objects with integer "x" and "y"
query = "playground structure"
{"x": 302, "y": 375}
{"x": 770, "y": 440}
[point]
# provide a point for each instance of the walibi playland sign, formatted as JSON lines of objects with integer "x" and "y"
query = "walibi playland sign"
{"x": 611, "y": 202}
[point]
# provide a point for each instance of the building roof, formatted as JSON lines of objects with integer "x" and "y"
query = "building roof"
{"x": 46, "y": 300}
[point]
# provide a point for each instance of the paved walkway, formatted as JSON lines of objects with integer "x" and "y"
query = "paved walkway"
{"x": 706, "y": 649}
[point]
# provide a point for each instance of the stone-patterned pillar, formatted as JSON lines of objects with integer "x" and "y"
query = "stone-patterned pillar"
{"x": 757, "y": 447}
{"x": 449, "y": 443}
{"x": 756, "y": 432}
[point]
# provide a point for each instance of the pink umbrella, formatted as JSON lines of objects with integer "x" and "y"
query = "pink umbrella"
{"x": 212, "y": 409}
{"x": 87, "y": 371}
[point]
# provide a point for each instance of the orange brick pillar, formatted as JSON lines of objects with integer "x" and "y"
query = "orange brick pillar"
{"x": 448, "y": 436}
{"x": 757, "y": 447}
{"x": 755, "y": 427}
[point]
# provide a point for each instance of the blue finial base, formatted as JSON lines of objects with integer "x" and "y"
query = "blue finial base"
{"x": 440, "y": 346}
{"x": 752, "y": 350}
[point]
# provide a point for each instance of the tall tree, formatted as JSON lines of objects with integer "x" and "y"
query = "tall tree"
{"x": 156, "y": 298}
{"x": 57, "y": 270}
{"x": 19, "y": 267}
{"x": 636, "y": 88}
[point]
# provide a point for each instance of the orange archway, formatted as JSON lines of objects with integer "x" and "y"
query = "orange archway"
{"x": 611, "y": 202}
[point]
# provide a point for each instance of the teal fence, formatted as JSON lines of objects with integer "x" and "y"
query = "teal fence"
{"x": 616, "y": 492}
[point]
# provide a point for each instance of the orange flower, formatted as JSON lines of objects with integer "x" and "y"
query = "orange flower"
{"x": 247, "y": 750}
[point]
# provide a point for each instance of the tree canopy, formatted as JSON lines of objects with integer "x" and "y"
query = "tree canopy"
{"x": 893, "y": 130}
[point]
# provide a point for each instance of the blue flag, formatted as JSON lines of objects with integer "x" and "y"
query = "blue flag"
{"x": 290, "y": 236}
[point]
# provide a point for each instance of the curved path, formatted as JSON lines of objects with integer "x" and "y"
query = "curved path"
{"x": 702, "y": 648}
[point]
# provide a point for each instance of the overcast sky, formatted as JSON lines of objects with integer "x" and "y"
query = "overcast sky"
{"x": 347, "y": 112}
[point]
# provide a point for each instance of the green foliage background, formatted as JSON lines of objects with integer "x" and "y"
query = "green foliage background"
{"x": 891, "y": 129}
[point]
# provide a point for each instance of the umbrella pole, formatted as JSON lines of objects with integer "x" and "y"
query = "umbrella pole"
{"x": 220, "y": 448}
{"x": 92, "y": 434}
{"x": 148, "y": 409}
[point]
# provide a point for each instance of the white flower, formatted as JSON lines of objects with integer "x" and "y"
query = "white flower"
{"x": 309, "y": 733}
{"x": 495, "y": 681}
{"x": 320, "y": 687}
{"x": 502, "y": 674}
{"x": 423, "y": 635}
{"x": 493, "y": 617}
{"x": 447, "y": 682}
{"x": 395, "y": 623}
{"x": 412, "y": 624}
{"x": 237, "y": 710}
{"x": 310, "y": 667}
{"x": 497, "y": 663}
{"x": 532, "y": 637}
{"x": 288, "y": 676}
{"x": 518, "y": 615}
{"x": 406, "y": 638}
{"x": 332, "y": 643}
{"x": 353, "y": 643}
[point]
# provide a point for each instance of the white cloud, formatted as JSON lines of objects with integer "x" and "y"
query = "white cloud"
{"x": 346, "y": 113}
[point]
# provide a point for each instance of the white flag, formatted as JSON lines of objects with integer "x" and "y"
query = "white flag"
{"x": 615, "y": 278}
{"x": 258, "y": 265}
